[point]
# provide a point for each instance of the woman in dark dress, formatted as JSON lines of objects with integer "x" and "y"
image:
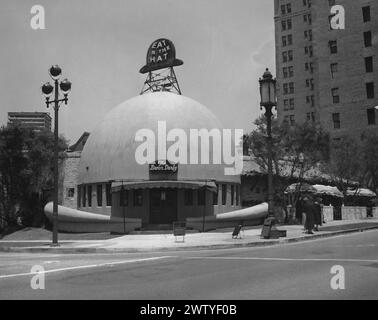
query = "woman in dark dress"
{"x": 299, "y": 210}
{"x": 318, "y": 214}
{"x": 309, "y": 210}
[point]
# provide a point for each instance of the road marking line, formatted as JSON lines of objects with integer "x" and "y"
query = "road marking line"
{"x": 47, "y": 241}
{"x": 280, "y": 259}
{"x": 84, "y": 267}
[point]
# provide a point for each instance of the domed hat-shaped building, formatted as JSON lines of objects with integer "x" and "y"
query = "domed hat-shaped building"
{"x": 126, "y": 170}
{"x": 155, "y": 159}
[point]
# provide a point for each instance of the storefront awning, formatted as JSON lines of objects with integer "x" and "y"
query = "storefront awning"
{"x": 127, "y": 185}
{"x": 361, "y": 193}
{"x": 328, "y": 190}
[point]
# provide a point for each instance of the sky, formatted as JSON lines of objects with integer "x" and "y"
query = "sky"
{"x": 101, "y": 45}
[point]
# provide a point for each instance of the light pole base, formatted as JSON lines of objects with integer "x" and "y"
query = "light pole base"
{"x": 54, "y": 245}
{"x": 270, "y": 231}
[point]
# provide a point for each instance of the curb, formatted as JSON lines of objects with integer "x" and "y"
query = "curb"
{"x": 167, "y": 249}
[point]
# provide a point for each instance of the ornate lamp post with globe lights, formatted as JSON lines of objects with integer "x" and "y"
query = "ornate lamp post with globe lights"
{"x": 47, "y": 90}
{"x": 268, "y": 101}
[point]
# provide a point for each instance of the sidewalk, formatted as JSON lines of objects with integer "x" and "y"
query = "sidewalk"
{"x": 195, "y": 241}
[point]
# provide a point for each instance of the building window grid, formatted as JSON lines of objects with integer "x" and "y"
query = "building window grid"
{"x": 188, "y": 197}
{"x": 224, "y": 194}
{"x": 284, "y": 72}
{"x": 371, "y": 116}
{"x": 78, "y": 196}
{"x": 108, "y": 191}
{"x": 335, "y": 95}
{"x": 286, "y": 104}
{"x": 284, "y": 41}
{"x": 292, "y": 120}
{"x": 215, "y": 196}
{"x": 70, "y": 192}
{"x": 284, "y": 56}
{"x": 334, "y": 69}
{"x": 124, "y": 198}
{"x": 289, "y": 24}
{"x": 99, "y": 195}
{"x": 138, "y": 198}
{"x": 333, "y": 46}
{"x": 336, "y": 120}
{"x": 237, "y": 194}
{"x": 369, "y": 64}
{"x": 283, "y": 25}
{"x": 291, "y": 87}
{"x": 367, "y": 39}
{"x": 201, "y": 197}
{"x": 310, "y": 84}
{"x": 232, "y": 194}
{"x": 84, "y": 194}
{"x": 307, "y": 18}
{"x": 89, "y": 192}
{"x": 366, "y": 14}
{"x": 370, "y": 90}
{"x": 291, "y": 103}
{"x": 289, "y": 39}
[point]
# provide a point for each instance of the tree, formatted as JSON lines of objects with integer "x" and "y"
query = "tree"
{"x": 370, "y": 161}
{"x": 296, "y": 151}
{"x": 26, "y": 169}
{"x": 345, "y": 165}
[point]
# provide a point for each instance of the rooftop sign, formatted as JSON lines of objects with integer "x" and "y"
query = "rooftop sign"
{"x": 161, "y": 54}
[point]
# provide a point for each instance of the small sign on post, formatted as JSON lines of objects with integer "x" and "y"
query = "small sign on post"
{"x": 179, "y": 230}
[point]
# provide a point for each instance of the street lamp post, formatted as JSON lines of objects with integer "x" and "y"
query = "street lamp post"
{"x": 47, "y": 90}
{"x": 269, "y": 101}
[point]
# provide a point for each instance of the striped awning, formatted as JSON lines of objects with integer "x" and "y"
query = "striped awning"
{"x": 361, "y": 192}
{"x": 148, "y": 184}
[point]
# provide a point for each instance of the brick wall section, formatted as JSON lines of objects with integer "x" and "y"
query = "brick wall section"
{"x": 70, "y": 172}
{"x": 351, "y": 77}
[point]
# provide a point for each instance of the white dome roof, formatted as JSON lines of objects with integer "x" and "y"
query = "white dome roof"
{"x": 109, "y": 153}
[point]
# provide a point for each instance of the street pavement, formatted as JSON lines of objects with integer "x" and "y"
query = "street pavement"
{"x": 286, "y": 271}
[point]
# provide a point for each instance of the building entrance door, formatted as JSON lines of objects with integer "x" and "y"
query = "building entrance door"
{"x": 163, "y": 206}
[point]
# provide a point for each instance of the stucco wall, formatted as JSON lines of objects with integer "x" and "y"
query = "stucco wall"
{"x": 353, "y": 213}
{"x": 375, "y": 212}
{"x": 327, "y": 213}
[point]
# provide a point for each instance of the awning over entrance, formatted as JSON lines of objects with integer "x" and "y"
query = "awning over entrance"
{"x": 210, "y": 185}
{"x": 328, "y": 190}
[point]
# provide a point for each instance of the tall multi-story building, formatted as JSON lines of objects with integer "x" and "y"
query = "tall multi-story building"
{"x": 37, "y": 121}
{"x": 325, "y": 75}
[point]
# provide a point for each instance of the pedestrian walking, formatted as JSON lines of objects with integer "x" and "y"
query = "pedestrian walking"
{"x": 299, "y": 210}
{"x": 317, "y": 214}
{"x": 309, "y": 210}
